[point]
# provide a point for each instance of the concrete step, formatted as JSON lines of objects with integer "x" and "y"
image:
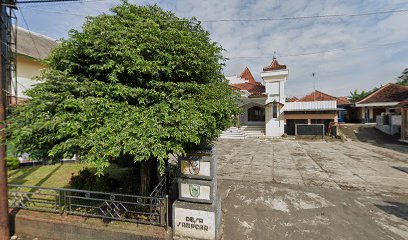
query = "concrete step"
{"x": 233, "y": 133}
{"x": 253, "y": 131}
{"x": 243, "y": 132}
{"x": 230, "y": 137}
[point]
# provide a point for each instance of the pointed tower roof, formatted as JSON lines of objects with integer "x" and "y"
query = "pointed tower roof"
{"x": 274, "y": 66}
{"x": 247, "y": 75}
{"x": 250, "y": 84}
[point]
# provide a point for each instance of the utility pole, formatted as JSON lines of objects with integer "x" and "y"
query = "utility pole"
{"x": 4, "y": 212}
{"x": 5, "y": 25}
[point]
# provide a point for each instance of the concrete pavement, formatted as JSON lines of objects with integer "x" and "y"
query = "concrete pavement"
{"x": 287, "y": 189}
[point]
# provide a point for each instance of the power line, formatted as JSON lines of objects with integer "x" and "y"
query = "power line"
{"x": 325, "y": 51}
{"x": 255, "y": 57}
{"x": 305, "y": 17}
{"x": 45, "y": 1}
{"x": 51, "y": 4}
{"x": 29, "y": 32}
{"x": 268, "y": 19}
{"x": 58, "y": 12}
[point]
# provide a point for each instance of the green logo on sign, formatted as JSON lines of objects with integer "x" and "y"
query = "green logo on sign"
{"x": 194, "y": 190}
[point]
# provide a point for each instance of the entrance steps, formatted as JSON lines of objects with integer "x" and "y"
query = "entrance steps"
{"x": 243, "y": 132}
{"x": 233, "y": 133}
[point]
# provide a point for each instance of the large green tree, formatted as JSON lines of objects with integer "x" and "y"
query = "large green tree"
{"x": 136, "y": 83}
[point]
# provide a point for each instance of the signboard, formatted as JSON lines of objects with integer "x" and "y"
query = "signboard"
{"x": 194, "y": 223}
{"x": 197, "y": 167}
{"x": 197, "y": 190}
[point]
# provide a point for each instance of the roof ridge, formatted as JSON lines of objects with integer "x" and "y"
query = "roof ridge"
{"x": 317, "y": 91}
{"x": 35, "y": 33}
{"x": 250, "y": 77}
{"x": 374, "y": 93}
{"x": 274, "y": 66}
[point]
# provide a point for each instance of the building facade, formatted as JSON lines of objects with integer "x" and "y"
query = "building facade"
{"x": 32, "y": 49}
{"x": 265, "y": 110}
{"x": 382, "y": 101}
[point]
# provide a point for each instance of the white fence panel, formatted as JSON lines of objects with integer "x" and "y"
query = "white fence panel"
{"x": 315, "y": 105}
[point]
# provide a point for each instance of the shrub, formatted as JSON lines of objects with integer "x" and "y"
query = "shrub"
{"x": 13, "y": 163}
{"x": 86, "y": 179}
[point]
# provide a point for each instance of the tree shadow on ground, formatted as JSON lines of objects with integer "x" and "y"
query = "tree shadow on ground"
{"x": 395, "y": 208}
{"x": 402, "y": 169}
{"x": 43, "y": 180}
{"x": 368, "y": 133}
{"x": 21, "y": 179}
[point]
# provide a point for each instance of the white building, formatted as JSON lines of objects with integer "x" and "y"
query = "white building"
{"x": 265, "y": 111}
{"x": 32, "y": 48}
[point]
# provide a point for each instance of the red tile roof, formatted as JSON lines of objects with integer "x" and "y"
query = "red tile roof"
{"x": 257, "y": 95}
{"x": 274, "y": 66}
{"x": 321, "y": 96}
{"x": 391, "y": 92}
{"x": 251, "y": 86}
{"x": 343, "y": 100}
{"x": 247, "y": 75}
{"x": 403, "y": 104}
{"x": 293, "y": 99}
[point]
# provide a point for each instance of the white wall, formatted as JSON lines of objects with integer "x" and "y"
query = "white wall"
{"x": 393, "y": 127}
{"x": 275, "y": 89}
{"x": 274, "y": 127}
{"x": 315, "y": 105}
{"x": 27, "y": 69}
{"x": 395, "y": 120}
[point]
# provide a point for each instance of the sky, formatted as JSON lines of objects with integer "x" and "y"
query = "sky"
{"x": 344, "y": 53}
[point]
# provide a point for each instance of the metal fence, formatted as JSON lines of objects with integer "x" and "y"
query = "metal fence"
{"x": 160, "y": 189}
{"x": 35, "y": 198}
{"x": 121, "y": 207}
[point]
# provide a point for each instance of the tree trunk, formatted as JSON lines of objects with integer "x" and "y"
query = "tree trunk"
{"x": 148, "y": 176}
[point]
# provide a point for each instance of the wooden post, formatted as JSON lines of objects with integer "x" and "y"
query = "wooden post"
{"x": 4, "y": 214}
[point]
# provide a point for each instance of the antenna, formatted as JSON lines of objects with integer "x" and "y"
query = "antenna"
{"x": 314, "y": 85}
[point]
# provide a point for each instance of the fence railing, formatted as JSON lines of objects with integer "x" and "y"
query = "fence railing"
{"x": 160, "y": 189}
{"x": 35, "y": 198}
{"x": 120, "y": 207}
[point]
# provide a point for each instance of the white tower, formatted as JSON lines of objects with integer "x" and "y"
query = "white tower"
{"x": 275, "y": 77}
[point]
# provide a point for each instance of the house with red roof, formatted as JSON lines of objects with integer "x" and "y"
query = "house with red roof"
{"x": 342, "y": 103}
{"x": 382, "y": 100}
{"x": 403, "y": 107}
{"x": 266, "y": 111}
{"x": 382, "y": 107}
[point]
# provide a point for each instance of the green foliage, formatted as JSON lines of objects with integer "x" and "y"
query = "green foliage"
{"x": 355, "y": 96}
{"x": 12, "y": 163}
{"x": 139, "y": 82}
{"x": 403, "y": 78}
{"x": 86, "y": 179}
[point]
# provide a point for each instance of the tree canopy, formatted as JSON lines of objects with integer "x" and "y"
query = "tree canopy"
{"x": 403, "y": 78}
{"x": 138, "y": 82}
{"x": 356, "y": 95}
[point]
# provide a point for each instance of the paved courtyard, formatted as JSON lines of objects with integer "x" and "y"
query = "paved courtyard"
{"x": 287, "y": 189}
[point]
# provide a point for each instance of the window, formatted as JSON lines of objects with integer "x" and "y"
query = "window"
{"x": 256, "y": 114}
{"x": 274, "y": 110}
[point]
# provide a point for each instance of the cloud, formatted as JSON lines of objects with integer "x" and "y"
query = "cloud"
{"x": 363, "y": 64}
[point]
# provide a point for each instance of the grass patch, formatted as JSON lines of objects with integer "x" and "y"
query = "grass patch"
{"x": 54, "y": 176}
